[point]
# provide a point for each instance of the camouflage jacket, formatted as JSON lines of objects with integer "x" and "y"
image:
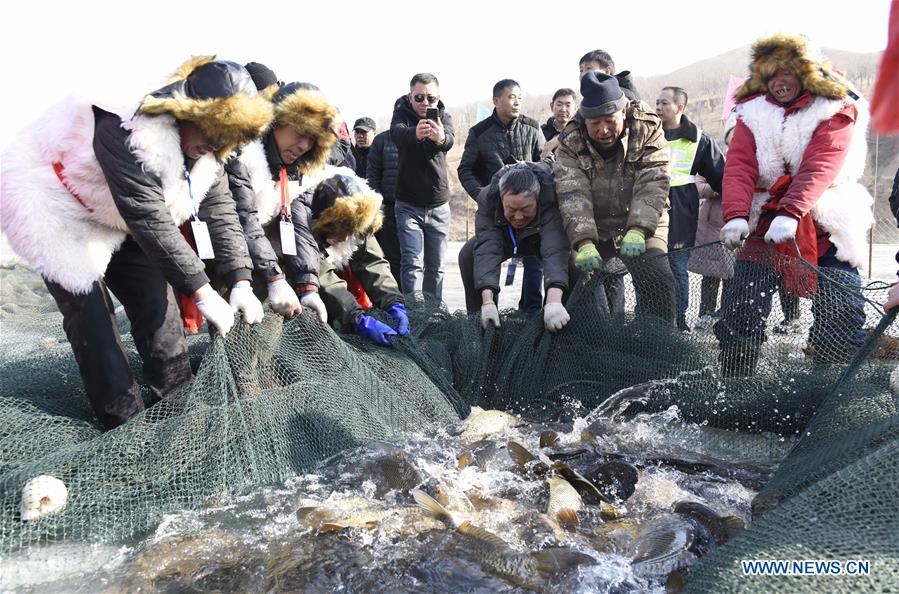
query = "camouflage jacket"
{"x": 600, "y": 200}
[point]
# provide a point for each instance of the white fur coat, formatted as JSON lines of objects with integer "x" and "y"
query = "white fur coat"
{"x": 268, "y": 191}
{"x": 844, "y": 209}
{"x": 52, "y": 232}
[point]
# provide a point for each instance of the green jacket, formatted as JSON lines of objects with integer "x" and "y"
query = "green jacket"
{"x": 601, "y": 200}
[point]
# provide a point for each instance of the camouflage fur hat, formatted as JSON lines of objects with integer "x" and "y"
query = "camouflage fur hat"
{"x": 794, "y": 53}
{"x": 344, "y": 203}
{"x": 218, "y": 96}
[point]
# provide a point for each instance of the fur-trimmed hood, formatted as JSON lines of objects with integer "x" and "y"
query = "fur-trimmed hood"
{"x": 304, "y": 108}
{"x": 793, "y": 52}
{"x": 344, "y": 203}
{"x": 218, "y": 96}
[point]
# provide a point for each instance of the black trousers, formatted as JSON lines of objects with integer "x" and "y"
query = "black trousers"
{"x": 90, "y": 325}
{"x": 390, "y": 242}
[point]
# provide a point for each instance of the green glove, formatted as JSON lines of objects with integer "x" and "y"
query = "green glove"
{"x": 587, "y": 258}
{"x": 633, "y": 244}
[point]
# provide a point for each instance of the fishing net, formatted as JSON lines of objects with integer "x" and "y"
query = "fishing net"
{"x": 273, "y": 400}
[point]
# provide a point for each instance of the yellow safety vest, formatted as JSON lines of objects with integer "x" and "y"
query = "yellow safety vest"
{"x": 682, "y": 153}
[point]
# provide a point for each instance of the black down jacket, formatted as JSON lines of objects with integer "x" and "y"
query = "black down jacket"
{"x": 492, "y": 144}
{"x": 382, "y": 166}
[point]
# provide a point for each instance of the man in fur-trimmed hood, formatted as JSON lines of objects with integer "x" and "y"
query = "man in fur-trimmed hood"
{"x": 93, "y": 201}
{"x": 268, "y": 176}
{"x": 792, "y": 176}
{"x": 355, "y": 276}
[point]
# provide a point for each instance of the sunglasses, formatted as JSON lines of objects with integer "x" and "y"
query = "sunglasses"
{"x": 419, "y": 98}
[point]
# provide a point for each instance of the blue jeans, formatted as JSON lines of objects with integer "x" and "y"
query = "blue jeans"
{"x": 678, "y": 262}
{"x": 422, "y": 233}
{"x": 839, "y": 313}
{"x": 531, "y": 286}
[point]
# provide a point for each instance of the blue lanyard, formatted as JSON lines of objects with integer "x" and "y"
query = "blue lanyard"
{"x": 190, "y": 193}
{"x": 514, "y": 241}
{"x": 510, "y": 271}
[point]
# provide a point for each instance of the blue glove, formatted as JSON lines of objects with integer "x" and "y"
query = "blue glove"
{"x": 374, "y": 330}
{"x": 397, "y": 311}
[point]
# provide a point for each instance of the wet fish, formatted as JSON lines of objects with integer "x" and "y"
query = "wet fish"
{"x": 185, "y": 559}
{"x": 540, "y": 464}
{"x": 485, "y": 423}
{"x": 358, "y": 512}
{"x": 668, "y": 545}
{"x": 663, "y": 546}
{"x": 481, "y": 453}
{"x": 564, "y": 503}
{"x": 392, "y": 471}
{"x": 722, "y": 528}
{"x": 525, "y": 569}
{"x": 549, "y": 439}
{"x": 616, "y": 479}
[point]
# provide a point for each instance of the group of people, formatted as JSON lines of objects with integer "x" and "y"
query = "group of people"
{"x": 228, "y": 187}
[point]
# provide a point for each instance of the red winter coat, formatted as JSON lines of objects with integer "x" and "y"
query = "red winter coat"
{"x": 821, "y": 162}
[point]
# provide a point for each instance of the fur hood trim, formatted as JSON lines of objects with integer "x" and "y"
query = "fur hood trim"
{"x": 311, "y": 114}
{"x": 233, "y": 113}
{"x": 793, "y": 52}
{"x": 344, "y": 205}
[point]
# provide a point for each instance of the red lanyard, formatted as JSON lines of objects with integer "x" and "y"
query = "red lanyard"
{"x": 285, "y": 203}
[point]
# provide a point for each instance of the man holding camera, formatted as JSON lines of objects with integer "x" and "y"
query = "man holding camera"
{"x": 423, "y": 133}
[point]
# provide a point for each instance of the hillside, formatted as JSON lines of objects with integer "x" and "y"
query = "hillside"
{"x": 706, "y": 83}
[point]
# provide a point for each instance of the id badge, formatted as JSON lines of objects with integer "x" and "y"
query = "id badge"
{"x": 288, "y": 244}
{"x": 510, "y": 271}
{"x": 202, "y": 240}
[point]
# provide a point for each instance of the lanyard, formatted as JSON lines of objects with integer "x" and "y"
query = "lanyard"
{"x": 190, "y": 192}
{"x": 514, "y": 241}
{"x": 513, "y": 264}
{"x": 285, "y": 202}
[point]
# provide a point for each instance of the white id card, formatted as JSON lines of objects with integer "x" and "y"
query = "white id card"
{"x": 288, "y": 244}
{"x": 202, "y": 240}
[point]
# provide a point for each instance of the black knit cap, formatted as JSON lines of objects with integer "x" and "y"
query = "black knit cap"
{"x": 601, "y": 95}
{"x": 262, "y": 75}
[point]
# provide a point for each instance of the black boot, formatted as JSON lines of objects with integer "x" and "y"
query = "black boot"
{"x": 682, "y": 323}
{"x": 738, "y": 360}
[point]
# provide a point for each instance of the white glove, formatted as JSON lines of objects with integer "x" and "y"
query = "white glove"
{"x": 244, "y": 301}
{"x": 283, "y": 299}
{"x": 216, "y": 311}
{"x": 489, "y": 315}
{"x": 734, "y": 232}
{"x": 315, "y": 303}
{"x": 555, "y": 316}
{"x": 783, "y": 228}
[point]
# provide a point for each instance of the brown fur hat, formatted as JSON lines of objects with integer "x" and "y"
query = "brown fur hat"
{"x": 781, "y": 50}
{"x": 219, "y": 97}
{"x": 304, "y": 108}
{"x": 343, "y": 204}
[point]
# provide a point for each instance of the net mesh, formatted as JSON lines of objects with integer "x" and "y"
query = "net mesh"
{"x": 274, "y": 399}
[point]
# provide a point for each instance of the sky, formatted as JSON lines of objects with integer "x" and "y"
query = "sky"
{"x": 362, "y": 54}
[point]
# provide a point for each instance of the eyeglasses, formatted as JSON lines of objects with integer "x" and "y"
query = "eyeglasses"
{"x": 419, "y": 98}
